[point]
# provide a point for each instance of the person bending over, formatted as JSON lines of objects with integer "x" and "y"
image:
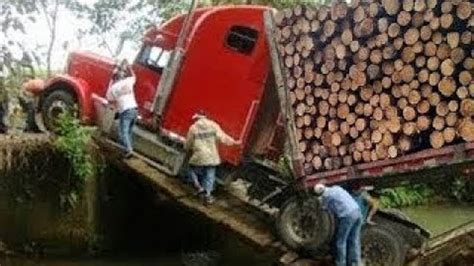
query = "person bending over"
{"x": 345, "y": 209}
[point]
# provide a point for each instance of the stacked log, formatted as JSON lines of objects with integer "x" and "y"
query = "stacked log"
{"x": 377, "y": 79}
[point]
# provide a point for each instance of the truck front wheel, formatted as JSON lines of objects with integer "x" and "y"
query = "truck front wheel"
{"x": 381, "y": 247}
{"x": 55, "y": 103}
{"x": 303, "y": 225}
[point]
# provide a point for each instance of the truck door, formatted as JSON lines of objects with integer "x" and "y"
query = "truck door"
{"x": 148, "y": 68}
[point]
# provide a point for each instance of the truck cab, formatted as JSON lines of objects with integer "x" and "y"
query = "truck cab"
{"x": 224, "y": 71}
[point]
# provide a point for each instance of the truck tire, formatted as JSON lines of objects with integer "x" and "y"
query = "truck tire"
{"x": 381, "y": 247}
{"x": 55, "y": 103}
{"x": 303, "y": 225}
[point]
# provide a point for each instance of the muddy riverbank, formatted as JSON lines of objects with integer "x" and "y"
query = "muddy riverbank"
{"x": 42, "y": 209}
{"x": 112, "y": 220}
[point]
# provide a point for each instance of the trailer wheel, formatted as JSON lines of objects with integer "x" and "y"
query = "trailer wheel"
{"x": 55, "y": 103}
{"x": 303, "y": 225}
{"x": 381, "y": 247}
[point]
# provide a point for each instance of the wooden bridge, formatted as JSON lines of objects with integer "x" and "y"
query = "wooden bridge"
{"x": 236, "y": 214}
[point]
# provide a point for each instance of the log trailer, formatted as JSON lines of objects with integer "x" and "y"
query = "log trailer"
{"x": 223, "y": 60}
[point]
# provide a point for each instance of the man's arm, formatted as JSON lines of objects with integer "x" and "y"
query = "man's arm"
{"x": 224, "y": 138}
{"x": 189, "y": 140}
{"x": 373, "y": 207}
{"x": 110, "y": 95}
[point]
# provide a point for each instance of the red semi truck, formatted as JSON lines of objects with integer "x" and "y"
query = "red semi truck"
{"x": 223, "y": 60}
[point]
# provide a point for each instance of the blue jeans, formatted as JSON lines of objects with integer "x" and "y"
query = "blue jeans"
{"x": 348, "y": 246}
{"x": 127, "y": 120}
{"x": 205, "y": 176}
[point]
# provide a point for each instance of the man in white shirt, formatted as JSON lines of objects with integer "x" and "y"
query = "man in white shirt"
{"x": 120, "y": 94}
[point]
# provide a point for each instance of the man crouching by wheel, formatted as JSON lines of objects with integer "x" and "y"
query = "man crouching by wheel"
{"x": 349, "y": 223}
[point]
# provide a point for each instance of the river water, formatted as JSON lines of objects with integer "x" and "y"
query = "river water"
{"x": 225, "y": 251}
{"x": 441, "y": 218}
{"x": 238, "y": 256}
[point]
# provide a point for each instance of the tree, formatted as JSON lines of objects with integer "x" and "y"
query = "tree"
{"x": 50, "y": 11}
{"x": 16, "y": 43}
{"x": 14, "y": 18}
{"x": 273, "y": 3}
{"x": 123, "y": 20}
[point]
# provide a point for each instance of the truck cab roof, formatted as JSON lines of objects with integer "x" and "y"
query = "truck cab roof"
{"x": 166, "y": 35}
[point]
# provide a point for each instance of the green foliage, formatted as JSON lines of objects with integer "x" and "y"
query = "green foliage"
{"x": 406, "y": 195}
{"x": 13, "y": 98}
{"x": 73, "y": 141}
{"x": 169, "y": 8}
{"x": 462, "y": 189}
{"x": 122, "y": 21}
{"x": 16, "y": 20}
{"x": 15, "y": 74}
{"x": 284, "y": 167}
{"x": 289, "y": 3}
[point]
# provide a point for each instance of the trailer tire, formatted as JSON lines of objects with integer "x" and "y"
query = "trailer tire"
{"x": 381, "y": 246}
{"x": 303, "y": 225}
{"x": 55, "y": 103}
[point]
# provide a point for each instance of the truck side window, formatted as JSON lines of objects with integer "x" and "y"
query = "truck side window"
{"x": 242, "y": 39}
{"x": 154, "y": 57}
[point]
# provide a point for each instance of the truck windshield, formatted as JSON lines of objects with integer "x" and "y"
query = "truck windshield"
{"x": 154, "y": 57}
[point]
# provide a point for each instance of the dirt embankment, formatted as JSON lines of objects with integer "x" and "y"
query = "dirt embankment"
{"x": 19, "y": 152}
{"x": 39, "y": 210}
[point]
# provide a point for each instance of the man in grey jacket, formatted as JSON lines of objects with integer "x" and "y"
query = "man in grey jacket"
{"x": 201, "y": 141}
